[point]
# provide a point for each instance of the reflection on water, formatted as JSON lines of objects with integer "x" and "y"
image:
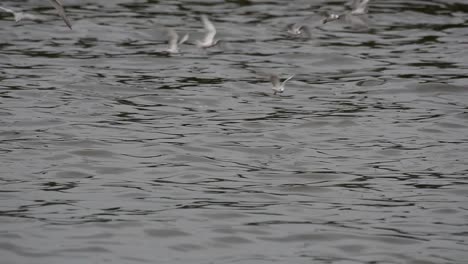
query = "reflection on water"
{"x": 115, "y": 152}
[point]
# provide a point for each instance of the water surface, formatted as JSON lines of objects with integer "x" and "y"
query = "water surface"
{"x": 113, "y": 152}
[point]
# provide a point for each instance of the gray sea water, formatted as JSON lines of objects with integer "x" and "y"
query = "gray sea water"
{"x": 114, "y": 152}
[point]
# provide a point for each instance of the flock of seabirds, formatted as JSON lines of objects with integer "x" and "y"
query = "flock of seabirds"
{"x": 359, "y": 9}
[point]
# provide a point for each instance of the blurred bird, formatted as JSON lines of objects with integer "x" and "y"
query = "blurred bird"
{"x": 355, "y": 16}
{"x": 210, "y": 30}
{"x": 55, "y": 3}
{"x": 278, "y": 86}
{"x": 19, "y": 15}
{"x": 298, "y": 30}
{"x": 359, "y": 7}
{"x": 332, "y": 17}
{"x": 174, "y": 41}
{"x": 61, "y": 12}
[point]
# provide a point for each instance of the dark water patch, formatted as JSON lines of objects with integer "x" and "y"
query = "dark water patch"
{"x": 232, "y": 240}
{"x": 185, "y": 247}
{"x": 22, "y": 251}
{"x": 90, "y": 249}
{"x": 165, "y": 233}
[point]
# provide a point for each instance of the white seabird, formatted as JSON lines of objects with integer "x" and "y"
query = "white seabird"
{"x": 174, "y": 41}
{"x": 55, "y": 3}
{"x": 209, "y": 40}
{"x": 61, "y": 12}
{"x": 19, "y": 15}
{"x": 278, "y": 86}
{"x": 354, "y": 17}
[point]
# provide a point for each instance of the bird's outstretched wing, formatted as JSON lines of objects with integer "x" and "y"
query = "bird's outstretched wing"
{"x": 173, "y": 38}
{"x": 274, "y": 79}
{"x": 359, "y": 7}
{"x": 209, "y": 28}
{"x": 7, "y": 10}
{"x": 184, "y": 38}
{"x": 57, "y": 4}
{"x": 289, "y": 78}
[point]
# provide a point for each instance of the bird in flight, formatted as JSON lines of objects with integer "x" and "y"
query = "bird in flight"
{"x": 278, "y": 86}
{"x": 19, "y": 15}
{"x": 209, "y": 40}
{"x": 359, "y": 8}
{"x": 61, "y": 11}
{"x": 174, "y": 41}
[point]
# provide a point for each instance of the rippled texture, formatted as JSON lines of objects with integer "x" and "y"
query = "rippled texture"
{"x": 113, "y": 152}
